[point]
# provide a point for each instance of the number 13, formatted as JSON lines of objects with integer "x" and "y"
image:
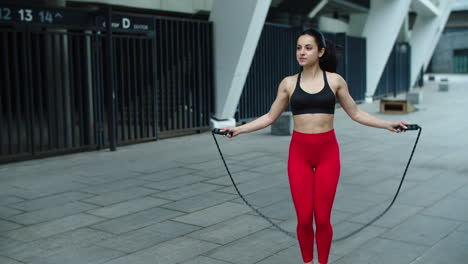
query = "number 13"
{"x": 26, "y": 14}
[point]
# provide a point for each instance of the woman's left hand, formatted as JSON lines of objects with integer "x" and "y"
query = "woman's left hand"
{"x": 393, "y": 126}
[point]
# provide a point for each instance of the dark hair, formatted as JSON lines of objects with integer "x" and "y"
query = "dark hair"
{"x": 329, "y": 60}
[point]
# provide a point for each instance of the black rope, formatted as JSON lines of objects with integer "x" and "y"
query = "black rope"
{"x": 245, "y": 200}
{"x": 394, "y": 197}
{"x": 293, "y": 235}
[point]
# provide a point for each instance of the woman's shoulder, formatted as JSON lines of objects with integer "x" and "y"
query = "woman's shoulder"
{"x": 290, "y": 81}
{"x": 335, "y": 79}
{"x": 334, "y": 75}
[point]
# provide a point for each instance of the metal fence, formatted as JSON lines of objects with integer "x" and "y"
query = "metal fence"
{"x": 460, "y": 64}
{"x": 49, "y": 97}
{"x": 351, "y": 63}
{"x": 185, "y": 75}
{"x": 69, "y": 83}
{"x": 275, "y": 59}
{"x": 396, "y": 76}
{"x": 135, "y": 86}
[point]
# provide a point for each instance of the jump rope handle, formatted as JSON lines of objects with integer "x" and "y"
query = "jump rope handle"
{"x": 218, "y": 131}
{"x": 409, "y": 127}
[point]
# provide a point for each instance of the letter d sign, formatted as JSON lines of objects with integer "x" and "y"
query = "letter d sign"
{"x": 125, "y": 23}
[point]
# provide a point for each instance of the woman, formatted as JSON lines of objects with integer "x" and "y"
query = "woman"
{"x": 314, "y": 162}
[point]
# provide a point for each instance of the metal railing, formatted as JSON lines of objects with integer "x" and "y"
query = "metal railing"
{"x": 351, "y": 62}
{"x": 68, "y": 86}
{"x": 47, "y": 93}
{"x": 460, "y": 64}
{"x": 135, "y": 87}
{"x": 274, "y": 59}
{"x": 185, "y": 75}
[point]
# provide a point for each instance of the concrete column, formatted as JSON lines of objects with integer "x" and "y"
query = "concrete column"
{"x": 381, "y": 30}
{"x": 425, "y": 36}
{"x": 237, "y": 29}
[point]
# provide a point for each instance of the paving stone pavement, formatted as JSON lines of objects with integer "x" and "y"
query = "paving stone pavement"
{"x": 171, "y": 201}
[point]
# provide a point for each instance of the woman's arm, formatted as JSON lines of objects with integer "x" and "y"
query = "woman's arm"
{"x": 278, "y": 106}
{"x": 350, "y": 107}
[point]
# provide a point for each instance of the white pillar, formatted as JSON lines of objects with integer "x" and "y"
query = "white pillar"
{"x": 381, "y": 30}
{"x": 237, "y": 28}
{"x": 425, "y": 36}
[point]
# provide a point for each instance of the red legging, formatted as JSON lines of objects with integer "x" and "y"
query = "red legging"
{"x": 314, "y": 169}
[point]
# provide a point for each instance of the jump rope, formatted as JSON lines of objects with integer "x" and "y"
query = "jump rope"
{"x": 293, "y": 235}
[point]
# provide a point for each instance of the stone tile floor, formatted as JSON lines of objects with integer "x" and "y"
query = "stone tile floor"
{"x": 171, "y": 201}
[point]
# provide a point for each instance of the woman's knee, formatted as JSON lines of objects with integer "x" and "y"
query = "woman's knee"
{"x": 304, "y": 223}
{"x": 323, "y": 223}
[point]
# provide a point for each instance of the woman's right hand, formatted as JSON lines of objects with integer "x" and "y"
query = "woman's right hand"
{"x": 235, "y": 131}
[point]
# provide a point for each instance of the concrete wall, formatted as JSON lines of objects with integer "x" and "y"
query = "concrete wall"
{"x": 442, "y": 60}
{"x": 356, "y": 24}
{"x": 426, "y": 32}
{"x": 183, "y": 6}
{"x": 458, "y": 20}
{"x": 329, "y": 24}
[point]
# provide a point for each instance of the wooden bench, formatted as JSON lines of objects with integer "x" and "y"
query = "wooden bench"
{"x": 395, "y": 106}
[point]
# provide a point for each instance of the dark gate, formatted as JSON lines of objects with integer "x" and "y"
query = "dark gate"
{"x": 133, "y": 100}
{"x": 351, "y": 62}
{"x": 59, "y": 93}
{"x": 185, "y": 75}
{"x": 274, "y": 59}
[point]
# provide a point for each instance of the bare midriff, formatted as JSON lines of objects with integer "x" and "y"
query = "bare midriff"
{"x": 313, "y": 123}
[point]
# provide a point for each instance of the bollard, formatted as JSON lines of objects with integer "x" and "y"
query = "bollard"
{"x": 443, "y": 85}
{"x": 283, "y": 125}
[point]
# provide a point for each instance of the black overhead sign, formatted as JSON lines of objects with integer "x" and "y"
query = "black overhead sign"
{"x": 75, "y": 17}
{"x": 46, "y": 16}
{"x": 122, "y": 21}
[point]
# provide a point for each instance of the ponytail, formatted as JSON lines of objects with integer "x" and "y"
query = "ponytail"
{"x": 329, "y": 61}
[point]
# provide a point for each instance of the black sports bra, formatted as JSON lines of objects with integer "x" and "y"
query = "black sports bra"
{"x": 303, "y": 102}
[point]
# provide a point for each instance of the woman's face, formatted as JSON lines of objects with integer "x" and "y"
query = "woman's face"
{"x": 307, "y": 52}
